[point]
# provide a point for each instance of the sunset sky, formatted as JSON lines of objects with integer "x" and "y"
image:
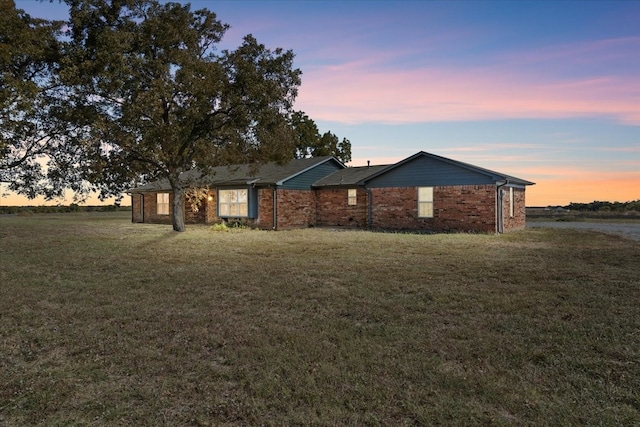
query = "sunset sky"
{"x": 548, "y": 91}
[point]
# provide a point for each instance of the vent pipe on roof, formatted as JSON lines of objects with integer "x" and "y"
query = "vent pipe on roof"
{"x": 368, "y": 163}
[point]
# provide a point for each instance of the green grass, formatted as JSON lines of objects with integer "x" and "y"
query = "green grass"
{"x": 104, "y": 322}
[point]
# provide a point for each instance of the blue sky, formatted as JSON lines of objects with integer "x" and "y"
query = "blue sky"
{"x": 548, "y": 91}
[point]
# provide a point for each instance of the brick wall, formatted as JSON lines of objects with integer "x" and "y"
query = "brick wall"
{"x": 333, "y": 210}
{"x": 265, "y": 209}
{"x": 456, "y": 208}
{"x": 517, "y": 222}
{"x": 211, "y": 207}
{"x": 295, "y": 209}
{"x": 151, "y": 210}
{"x": 465, "y": 208}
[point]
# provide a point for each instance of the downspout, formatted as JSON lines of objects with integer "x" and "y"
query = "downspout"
{"x": 499, "y": 216}
{"x": 275, "y": 208}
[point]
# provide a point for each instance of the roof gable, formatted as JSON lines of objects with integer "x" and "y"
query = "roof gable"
{"x": 429, "y": 169}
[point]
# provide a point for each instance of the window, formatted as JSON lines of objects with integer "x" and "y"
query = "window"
{"x": 352, "y": 198}
{"x": 511, "y": 202}
{"x": 233, "y": 203}
{"x": 163, "y": 203}
{"x": 425, "y": 202}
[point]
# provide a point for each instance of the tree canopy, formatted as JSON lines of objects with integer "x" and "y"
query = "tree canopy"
{"x": 33, "y": 158}
{"x": 309, "y": 142}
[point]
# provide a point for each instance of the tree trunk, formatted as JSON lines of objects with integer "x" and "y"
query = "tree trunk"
{"x": 178, "y": 210}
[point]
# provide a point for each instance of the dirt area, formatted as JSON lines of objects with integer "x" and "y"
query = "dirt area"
{"x": 631, "y": 231}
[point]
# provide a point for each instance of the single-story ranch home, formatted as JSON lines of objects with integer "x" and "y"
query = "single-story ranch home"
{"x": 423, "y": 192}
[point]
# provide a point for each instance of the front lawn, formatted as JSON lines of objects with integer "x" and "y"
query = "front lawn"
{"x": 104, "y": 322}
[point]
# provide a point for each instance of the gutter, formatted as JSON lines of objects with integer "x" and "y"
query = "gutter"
{"x": 275, "y": 207}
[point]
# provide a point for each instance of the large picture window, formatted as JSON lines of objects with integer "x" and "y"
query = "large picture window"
{"x": 425, "y": 202}
{"x": 163, "y": 203}
{"x": 233, "y": 203}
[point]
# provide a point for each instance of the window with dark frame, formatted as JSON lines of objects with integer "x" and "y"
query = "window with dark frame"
{"x": 233, "y": 203}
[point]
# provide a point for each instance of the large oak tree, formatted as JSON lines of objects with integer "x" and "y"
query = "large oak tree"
{"x": 151, "y": 96}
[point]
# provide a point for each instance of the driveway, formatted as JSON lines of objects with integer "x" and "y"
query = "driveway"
{"x": 628, "y": 230}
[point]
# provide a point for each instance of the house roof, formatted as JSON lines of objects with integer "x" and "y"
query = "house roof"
{"x": 495, "y": 176}
{"x": 270, "y": 173}
{"x": 349, "y": 176}
{"x": 277, "y": 174}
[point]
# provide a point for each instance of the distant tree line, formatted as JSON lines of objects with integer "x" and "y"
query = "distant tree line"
{"x": 73, "y": 207}
{"x": 599, "y": 206}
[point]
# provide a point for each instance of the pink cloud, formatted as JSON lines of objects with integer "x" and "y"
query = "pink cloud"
{"x": 590, "y": 51}
{"x": 366, "y": 89}
{"x": 354, "y": 94}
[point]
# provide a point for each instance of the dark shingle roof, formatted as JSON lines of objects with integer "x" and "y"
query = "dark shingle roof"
{"x": 348, "y": 176}
{"x": 266, "y": 174}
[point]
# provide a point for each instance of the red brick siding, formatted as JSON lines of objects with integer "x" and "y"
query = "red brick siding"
{"x": 456, "y": 208}
{"x": 151, "y": 210}
{"x": 333, "y": 209}
{"x": 295, "y": 209}
{"x": 265, "y": 209}
{"x": 465, "y": 208}
{"x": 211, "y": 207}
{"x": 517, "y": 222}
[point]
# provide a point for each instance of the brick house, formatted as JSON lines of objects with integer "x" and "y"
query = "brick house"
{"x": 422, "y": 192}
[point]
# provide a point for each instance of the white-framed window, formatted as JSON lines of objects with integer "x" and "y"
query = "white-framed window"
{"x": 425, "y": 202}
{"x": 511, "y": 202}
{"x": 352, "y": 197}
{"x": 163, "y": 203}
{"x": 233, "y": 203}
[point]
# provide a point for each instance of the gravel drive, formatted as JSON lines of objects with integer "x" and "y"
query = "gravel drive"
{"x": 631, "y": 231}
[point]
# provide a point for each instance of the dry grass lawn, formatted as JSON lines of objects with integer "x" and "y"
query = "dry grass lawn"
{"x": 104, "y": 322}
